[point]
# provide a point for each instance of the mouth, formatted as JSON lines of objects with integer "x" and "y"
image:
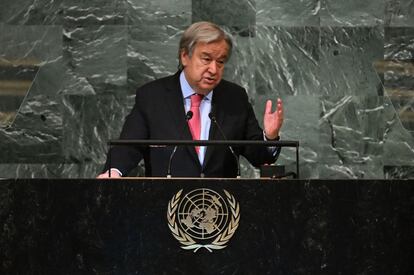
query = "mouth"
{"x": 209, "y": 79}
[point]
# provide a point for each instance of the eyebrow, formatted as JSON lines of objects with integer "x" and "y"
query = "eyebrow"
{"x": 209, "y": 54}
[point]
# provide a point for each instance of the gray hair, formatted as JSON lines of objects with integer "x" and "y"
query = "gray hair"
{"x": 205, "y": 32}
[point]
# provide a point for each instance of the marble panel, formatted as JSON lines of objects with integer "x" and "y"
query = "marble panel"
{"x": 81, "y": 170}
{"x": 346, "y": 61}
{"x": 95, "y": 59}
{"x": 399, "y": 13}
{"x": 402, "y": 107}
{"x": 152, "y": 53}
{"x": 287, "y": 13}
{"x": 399, "y": 43}
{"x": 35, "y": 170}
{"x": 352, "y": 13}
{"x": 240, "y": 68}
{"x": 94, "y": 12}
{"x": 237, "y": 14}
{"x": 351, "y": 131}
{"x": 398, "y": 73}
{"x": 39, "y": 12}
{"x": 90, "y": 122}
{"x": 399, "y": 172}
{"x": 398, "y": 80}
{"x": 35, "y": 44}
{"x": 308, "y": 170}
{"x": 399, "y": 76}
{"x": 398, "y": 141}
{"x": 15, "y": 81}
{"x": 399, "y": 83}
{"x": 35, "y": 135}
{"x": 402, "y": 100}
{"x": 286, "y": 60}
{"x": 147, "y": 13}
{"x": 363, "y": 171}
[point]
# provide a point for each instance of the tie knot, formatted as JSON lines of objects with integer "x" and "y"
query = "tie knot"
{"x": 196, "y": 100}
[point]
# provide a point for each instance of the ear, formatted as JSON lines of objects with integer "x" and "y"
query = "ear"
{"x": 184, "y": 58}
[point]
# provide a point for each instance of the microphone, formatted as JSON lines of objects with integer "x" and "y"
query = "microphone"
{"x": 188, "y": 116}
{"x": 213, "y": 118}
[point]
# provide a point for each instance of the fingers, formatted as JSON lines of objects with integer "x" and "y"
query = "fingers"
{"x": 268, "y": 109}
{"x": 105, "y": 175}
{"x": 279, "y": 102}
{"x": 102, "y": 176}
{"x": 279, "y": 108}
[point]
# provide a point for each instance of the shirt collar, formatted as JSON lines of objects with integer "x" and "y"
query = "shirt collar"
{"x": 187, "y": 90}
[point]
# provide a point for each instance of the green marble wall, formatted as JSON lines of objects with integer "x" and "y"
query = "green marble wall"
{"x": 345, "y": 70}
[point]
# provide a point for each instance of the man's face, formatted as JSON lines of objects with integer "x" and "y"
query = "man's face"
{"x": 204, "y": 69}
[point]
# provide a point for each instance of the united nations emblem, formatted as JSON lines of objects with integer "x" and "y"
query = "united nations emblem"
{"x": 203, "y": 218}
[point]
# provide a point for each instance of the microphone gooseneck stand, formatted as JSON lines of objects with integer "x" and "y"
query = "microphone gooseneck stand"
{"x": 213, "y": 118}
{"x": 188, "y": 116}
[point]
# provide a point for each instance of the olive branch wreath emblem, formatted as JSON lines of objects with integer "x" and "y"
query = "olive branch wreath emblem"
{"x": 188, "y": 243}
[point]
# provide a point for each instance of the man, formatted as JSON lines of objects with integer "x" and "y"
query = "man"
{"x": 160, "y": 113}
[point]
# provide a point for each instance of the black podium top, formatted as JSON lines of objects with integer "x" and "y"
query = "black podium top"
{"x": 127, "y": 226}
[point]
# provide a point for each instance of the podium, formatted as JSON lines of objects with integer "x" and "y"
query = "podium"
{"x": 123, "y": 226}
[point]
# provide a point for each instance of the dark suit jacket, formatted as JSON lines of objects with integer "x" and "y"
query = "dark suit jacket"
{"x": 159, "y": 114}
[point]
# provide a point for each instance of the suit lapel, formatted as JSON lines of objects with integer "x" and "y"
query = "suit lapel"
{"x": 177, "y": 113}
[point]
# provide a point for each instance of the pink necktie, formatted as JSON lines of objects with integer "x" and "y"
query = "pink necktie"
{"x": 195, "y": 122}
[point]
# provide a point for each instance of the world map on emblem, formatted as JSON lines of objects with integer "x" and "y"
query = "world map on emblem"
{"x": 203, "y": 214}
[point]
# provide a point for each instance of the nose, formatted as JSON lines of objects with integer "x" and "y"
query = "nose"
{"x": 212, "y": 67}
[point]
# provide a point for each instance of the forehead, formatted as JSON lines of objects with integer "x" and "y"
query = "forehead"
{"x": 217, "y": 48}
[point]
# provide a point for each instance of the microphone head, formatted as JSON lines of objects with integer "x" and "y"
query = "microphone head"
{"x": 188, "y": 115}
{"x": 212, "y": 114}
{"x": 212, "y": 117}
